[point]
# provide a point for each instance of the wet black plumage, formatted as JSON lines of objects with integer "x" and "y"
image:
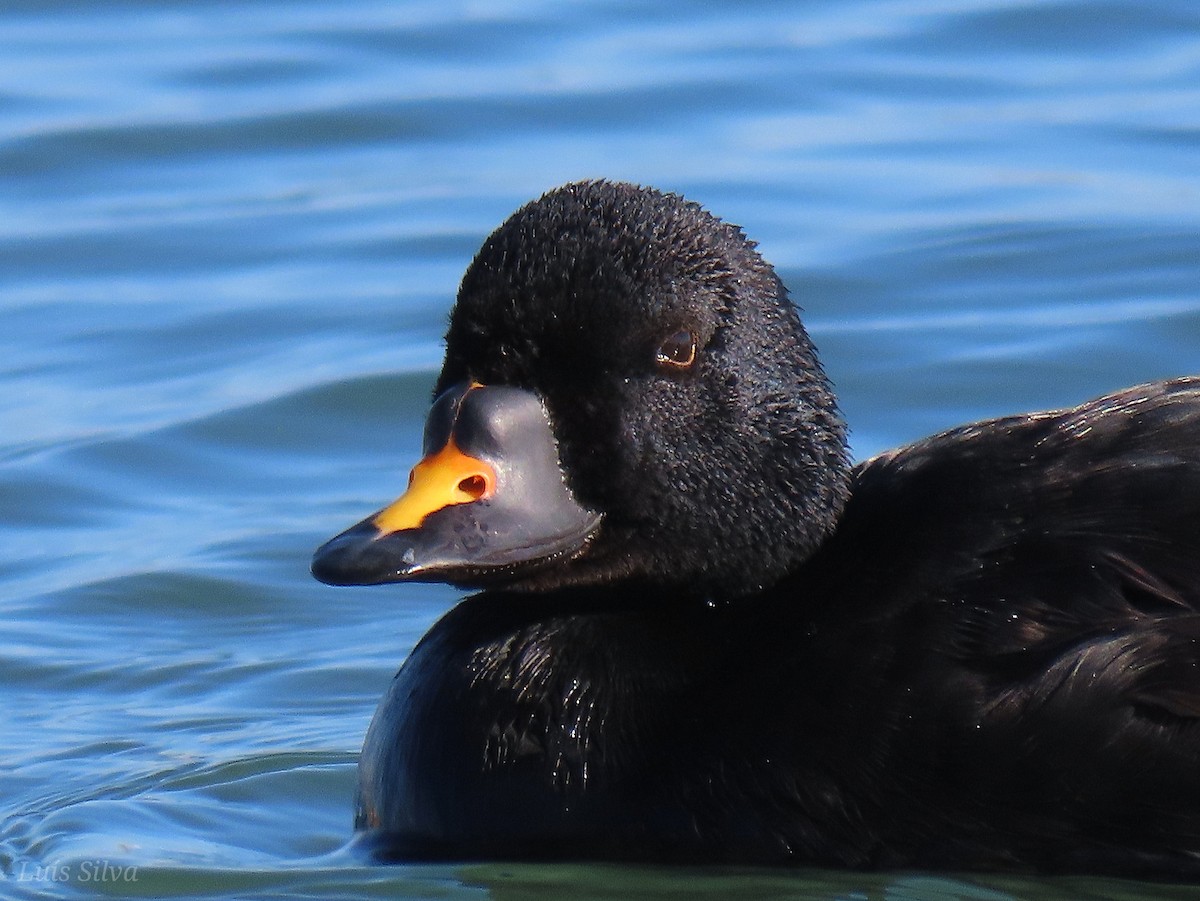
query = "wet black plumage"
{"x": 977, "y": 651}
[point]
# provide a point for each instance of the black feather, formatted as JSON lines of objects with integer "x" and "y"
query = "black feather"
{"x": 978, "y": 651}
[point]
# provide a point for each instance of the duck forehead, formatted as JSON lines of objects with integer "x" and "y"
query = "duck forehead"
{"x": 608, "y": 314}
{"x": 596, "y": 320}
{"x": 591, "y": 279}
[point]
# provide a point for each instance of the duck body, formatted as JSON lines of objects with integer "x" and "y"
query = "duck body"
{"x": 980, "y": 651}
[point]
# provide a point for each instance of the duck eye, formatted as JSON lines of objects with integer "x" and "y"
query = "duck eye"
{"x": 677, "y": 352}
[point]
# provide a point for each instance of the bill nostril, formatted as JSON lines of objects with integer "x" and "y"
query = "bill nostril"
{"x": 476, "y": 486}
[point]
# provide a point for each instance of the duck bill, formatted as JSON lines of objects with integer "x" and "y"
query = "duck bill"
{"x": 486, "y": 504}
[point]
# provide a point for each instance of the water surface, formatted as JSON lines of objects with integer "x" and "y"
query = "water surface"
{"x": 229, "y": 237}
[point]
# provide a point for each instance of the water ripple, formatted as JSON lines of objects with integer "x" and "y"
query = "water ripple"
{"x": 230, "y": 236}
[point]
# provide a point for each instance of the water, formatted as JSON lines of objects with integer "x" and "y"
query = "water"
{"x": 229, "y": 236}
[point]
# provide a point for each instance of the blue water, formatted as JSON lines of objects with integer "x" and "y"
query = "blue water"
{"x": 229, "y": 237}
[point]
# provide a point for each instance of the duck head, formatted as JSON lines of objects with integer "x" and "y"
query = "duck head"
{"x": 627, "y": 394}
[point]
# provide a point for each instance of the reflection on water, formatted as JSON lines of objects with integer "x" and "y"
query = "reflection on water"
{"x": 229, "y": 241}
